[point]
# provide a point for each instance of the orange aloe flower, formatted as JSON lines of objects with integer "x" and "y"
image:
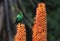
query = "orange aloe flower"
{"x": 40, "y": 24}
{"x": 21, "y": 33}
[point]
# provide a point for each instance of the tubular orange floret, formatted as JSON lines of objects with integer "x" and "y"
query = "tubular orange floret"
{"x": 21, "y": 33}
{"x": 40, "y": 24}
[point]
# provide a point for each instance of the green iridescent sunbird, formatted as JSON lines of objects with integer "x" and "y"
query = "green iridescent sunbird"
{"x": 19, "y": 16}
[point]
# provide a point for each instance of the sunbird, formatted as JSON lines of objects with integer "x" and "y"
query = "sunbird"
{"x": 19, "y": 17}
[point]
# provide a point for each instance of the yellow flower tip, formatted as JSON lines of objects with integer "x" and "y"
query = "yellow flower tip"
{"x": 20, "y": 25}
{"x": 41, "y": 4}
{"x": 41, "y": 8}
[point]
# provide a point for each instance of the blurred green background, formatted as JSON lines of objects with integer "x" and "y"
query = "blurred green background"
{"x": 53, "y": 18}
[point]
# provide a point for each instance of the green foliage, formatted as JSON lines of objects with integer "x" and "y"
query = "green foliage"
{"x": 53, "y": 18}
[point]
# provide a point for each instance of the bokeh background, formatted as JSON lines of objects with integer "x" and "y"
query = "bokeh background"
{"x": 28, "y": 7}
